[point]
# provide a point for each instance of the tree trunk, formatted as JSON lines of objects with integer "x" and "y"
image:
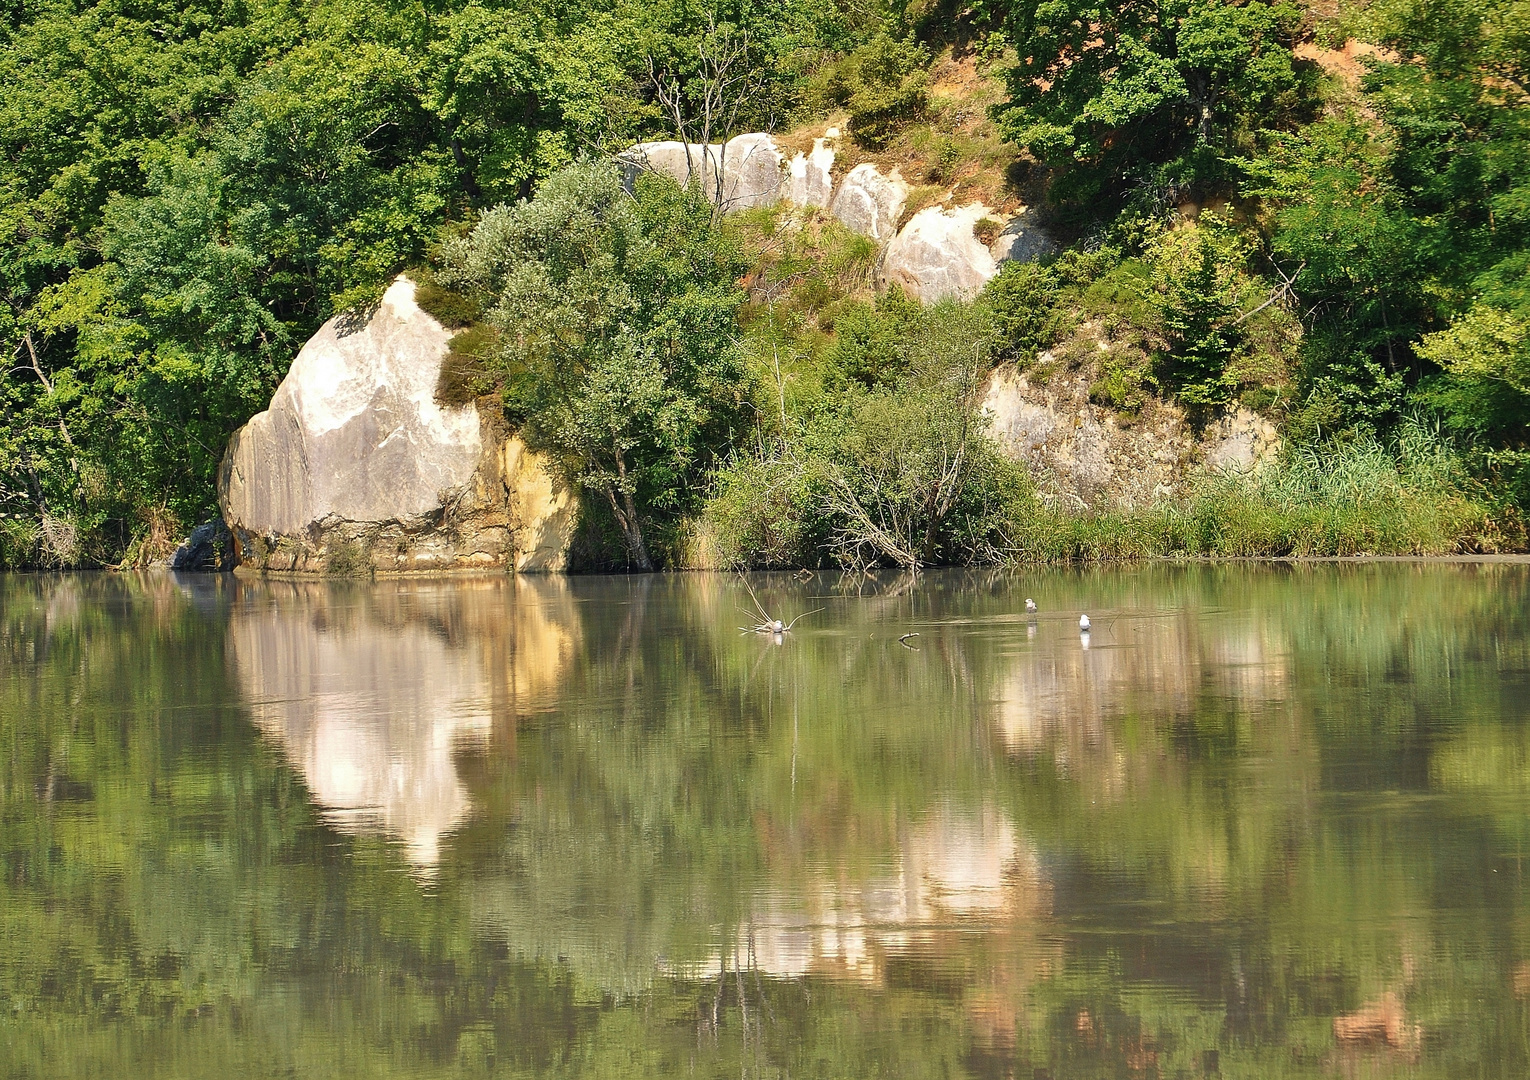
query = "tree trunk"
{"x": 625, "y": 512}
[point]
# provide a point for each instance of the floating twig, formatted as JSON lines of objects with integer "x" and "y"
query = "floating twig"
{"x": 767, "y": 624}
{"x": 904, "y": 641}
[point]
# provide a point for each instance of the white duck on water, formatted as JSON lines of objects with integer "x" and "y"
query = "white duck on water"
{"x": 1083, "y": 624}
{"x": 1030, "y": 606}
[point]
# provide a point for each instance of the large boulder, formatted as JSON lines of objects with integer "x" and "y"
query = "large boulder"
{"x": 869, "y": 203}
{"x": 355, "y": 467}
{"x": 753, "y": 172}
{"x": 938, "y": 255}
{"x": 811, "y": 176}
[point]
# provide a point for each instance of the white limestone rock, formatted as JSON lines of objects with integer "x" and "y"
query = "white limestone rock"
{"x": 753, "y": 170}
{"x": 356, "y": 466}
{"x": 937, "y": 255}
{"x": 812, "y": 179}
{"x": 1240, "y": 440}
{"x": 869, "y": 203}
{"x": 1023, "y": 240}
{"x": 1084, "y": 455}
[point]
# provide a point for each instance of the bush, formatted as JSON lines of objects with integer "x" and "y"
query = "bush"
{"x": 882, "y": 85}
{"x": 870, "y": 339}
{"x": 912, "y": 477}
{"x": 1317, "y": 499}
{"x": 765, "y": 512}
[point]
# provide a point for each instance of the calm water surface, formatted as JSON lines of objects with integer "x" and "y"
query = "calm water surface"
{"x": 1264, "y": 822}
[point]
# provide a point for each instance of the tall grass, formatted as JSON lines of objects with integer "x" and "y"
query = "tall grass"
{"x": 1414, "y": 497}
{"x": 1330, "y": 499}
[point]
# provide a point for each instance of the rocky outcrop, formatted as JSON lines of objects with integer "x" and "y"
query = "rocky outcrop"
{"x": 209, "y": 549}
{"x": 1239, "y": 440}
{"x": 935, "y": 255}
{"x": 938, "y": 255}
{"x": 751, "y": 167}
{"x": 356, "y": 468}
{"x": 1023, "y": 240}
{"x": 1086, "y": 456}
{"x": 811, "y": 180}
{"x": 869, "y": 203}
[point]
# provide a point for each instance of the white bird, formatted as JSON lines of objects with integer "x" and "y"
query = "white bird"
{"x": 1030, "y": 606}
{"x": 1083, "y": 623}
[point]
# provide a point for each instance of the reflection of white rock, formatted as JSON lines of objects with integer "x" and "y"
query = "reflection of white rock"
{"x": 370, "y": 702}
{"x": 369, "y": 715}
{"x": 1060, "y": 700}
{"x": 951, "y": 866}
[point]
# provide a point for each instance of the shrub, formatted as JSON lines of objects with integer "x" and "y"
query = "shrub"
{"x": 765, "y": 512}
{"x": 912, "y": 477}
{"x": 882, "y": 85}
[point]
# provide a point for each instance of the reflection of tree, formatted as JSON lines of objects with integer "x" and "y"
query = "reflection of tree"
{"x": 1305, "y": 799}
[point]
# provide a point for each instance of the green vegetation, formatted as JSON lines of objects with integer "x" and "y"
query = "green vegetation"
{"x": 614, "y": 349}
{"x": 1247, "y": 217}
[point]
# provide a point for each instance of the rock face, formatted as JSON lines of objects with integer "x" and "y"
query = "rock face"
{"x": 870, "y": 203}
{"x": 811, "y": 177}
{"x": 753, "y": 170}
{"x": 1239, "y": 441}
{"x": 934, "y": 256}
{"x": 209, "y": 549}
{"x": 355, "y": 467}
{"x": 937, "y": 255}
{"x": 1023, "y": 240}
{"x": 1084, "y": 455}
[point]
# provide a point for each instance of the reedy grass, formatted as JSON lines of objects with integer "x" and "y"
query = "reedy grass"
{"x": 1324, "y": 500}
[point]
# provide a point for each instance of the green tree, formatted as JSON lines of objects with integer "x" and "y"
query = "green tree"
{"x": 1111, "y": 89}
{"x": 1484, "y": 388}
{"x": 617, "y": 346}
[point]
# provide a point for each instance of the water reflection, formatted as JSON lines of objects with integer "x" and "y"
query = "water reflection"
{"x": 1157, "y": 663}
{"x": 373, "y": 695}
{"x": 953, "y": 872}
{"x": 1271, "y": 822}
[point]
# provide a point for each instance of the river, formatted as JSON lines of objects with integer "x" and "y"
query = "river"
{"x": 1260, "y": 821}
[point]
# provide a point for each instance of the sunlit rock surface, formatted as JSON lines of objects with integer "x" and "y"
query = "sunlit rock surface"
{"x": 812, "y": 179}
{"x": 751, "y": 168}
{"x": 356, "y": 466}
{"x": 1023, "y": 239}
{"x": 938, "y": 256}
{"x": 373, "y": 696}
{"x": 1085, "y": 455}
{"x": 869, "y": 203}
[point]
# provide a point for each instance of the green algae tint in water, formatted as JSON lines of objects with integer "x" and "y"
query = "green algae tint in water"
{"x": 1269, "y": 822}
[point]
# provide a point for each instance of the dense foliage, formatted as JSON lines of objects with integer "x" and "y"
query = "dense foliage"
{"x": 614, "y": 347}
{"x": 187, "y": 191}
